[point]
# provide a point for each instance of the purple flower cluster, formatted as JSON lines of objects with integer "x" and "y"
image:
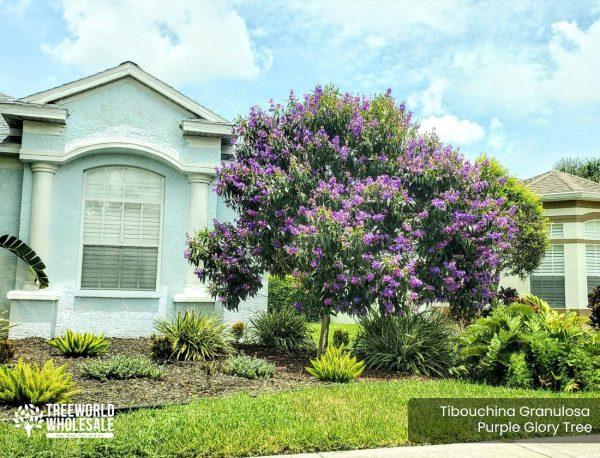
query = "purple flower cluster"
{"x": 346, "y": 193}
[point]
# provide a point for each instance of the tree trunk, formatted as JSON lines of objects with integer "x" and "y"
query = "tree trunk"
{"x": 324, "y": 337}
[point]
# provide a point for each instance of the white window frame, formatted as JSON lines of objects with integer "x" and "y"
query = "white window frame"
{"x": 589, "y": 270}
{"x": 101, "y": 292}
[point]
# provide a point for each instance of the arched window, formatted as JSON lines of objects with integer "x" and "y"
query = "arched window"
{"x": 121, "y": 228}
{"x": 592, "y": 253}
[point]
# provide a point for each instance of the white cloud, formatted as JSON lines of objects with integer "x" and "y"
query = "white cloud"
{"x": 178, "y": 41}
{"x": 496, "y": 137}
{"x": 429, "y": 101}
{"x": 451, "y": 129}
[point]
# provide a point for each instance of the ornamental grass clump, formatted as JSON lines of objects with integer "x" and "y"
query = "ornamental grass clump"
{"x": 196, "y": 336}
{"x": 336, "y": 365}
{"x": 122, "y": 367}
{"x": 529, "y": 345}
{"x": 414, "y": 343}
{"x": 28, "y": 384}
{"x": 76, "y": 344}
{"x": 347, "y": 195}
{"x": 284, "y": 329}
{"x": 249, "y": 367}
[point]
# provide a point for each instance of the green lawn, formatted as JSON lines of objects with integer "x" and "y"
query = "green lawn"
{"x": 328, "y": 417}
{"x": 316, "y": 330}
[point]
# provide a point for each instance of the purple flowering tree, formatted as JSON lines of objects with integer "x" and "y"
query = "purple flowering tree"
{"x": 344, "y": 193}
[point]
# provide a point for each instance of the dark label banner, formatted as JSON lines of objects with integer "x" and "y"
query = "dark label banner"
{"x": 449, "y": 420}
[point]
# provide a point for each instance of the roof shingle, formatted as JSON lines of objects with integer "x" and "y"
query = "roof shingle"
{"x": 555, "y": 181}
{"x": 3, "y": 126}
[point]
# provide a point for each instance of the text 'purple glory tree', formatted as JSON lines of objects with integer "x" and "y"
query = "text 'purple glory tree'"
{"x": 344, "y": 193}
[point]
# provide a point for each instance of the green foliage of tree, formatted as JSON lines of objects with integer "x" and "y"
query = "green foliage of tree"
{"x": 588, "y": 168}
{"x": 284, "y": 292}
{"x": 531, "y": 242}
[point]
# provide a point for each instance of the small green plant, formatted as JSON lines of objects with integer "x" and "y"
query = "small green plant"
{"x": 416, "y": 343}
{"x": 594, "y": 306}
{"x": 4, "y": 325}
{"x": 210, "y": 369}
{"x": 284, "y": 329}
{"x": 238, "y": 329}
{"x": 122, "y": 367}
{"x": 28, "y": 384}
{"x": 336, "y": 365}
{"x": 196, "y": 336}
{"x": 7, "y": 350}
{"x": 249, "y": 367}
{"x": 75, "y": 343}
{"x": 341, "y": 337}
{"x": 162, "y": 348}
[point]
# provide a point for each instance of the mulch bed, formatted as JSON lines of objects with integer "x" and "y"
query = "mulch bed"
{"x": 183, "y": 381}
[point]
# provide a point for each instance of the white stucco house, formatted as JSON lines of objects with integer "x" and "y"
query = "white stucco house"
{"x": 103, "y": 177}
{"x": 571, "y": 266}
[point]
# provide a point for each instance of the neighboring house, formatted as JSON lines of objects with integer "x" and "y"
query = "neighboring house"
{"x": 103, "y": 177}
{"x": 571, "y": 266}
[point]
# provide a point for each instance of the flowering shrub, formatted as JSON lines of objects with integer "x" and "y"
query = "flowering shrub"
{"x": 345, "y": 193}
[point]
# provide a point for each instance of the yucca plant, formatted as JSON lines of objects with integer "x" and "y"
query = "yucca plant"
{"x": 28, "y": 384}
{"x": 416, "y": 343}
{"x": 24, "y": 252}
{"x": 196, "y": 336}
{"x": 284, "y": 329}
{"x": 75, "y": 343}
{"x": 336, "y": 365}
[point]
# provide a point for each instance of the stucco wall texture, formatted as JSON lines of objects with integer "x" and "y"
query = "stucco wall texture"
{"x": 125, "y": 111}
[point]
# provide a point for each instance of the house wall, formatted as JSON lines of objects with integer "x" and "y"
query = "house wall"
{"x": 572, "y": 215}
{"x": 122, "y": 112}
{"x": 11, "y": 184}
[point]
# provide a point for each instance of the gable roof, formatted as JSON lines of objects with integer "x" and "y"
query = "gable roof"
{"x": 554, "y": 182}
{"x": 4, "y": 130}
{"x": 125, "y": 70}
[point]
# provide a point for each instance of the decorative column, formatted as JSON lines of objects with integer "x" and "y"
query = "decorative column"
{"x": 199, "y": 192}
{"x": 41, "y": 212}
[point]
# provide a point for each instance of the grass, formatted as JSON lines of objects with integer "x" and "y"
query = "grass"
{"x": 316, "y": 329}
{"x": 353, "y": 416}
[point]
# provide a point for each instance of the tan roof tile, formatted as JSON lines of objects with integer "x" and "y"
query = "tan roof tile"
{"x": 555, "y": 181}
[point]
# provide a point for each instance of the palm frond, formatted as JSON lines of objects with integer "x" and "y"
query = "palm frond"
{"x": 24, "y": 252}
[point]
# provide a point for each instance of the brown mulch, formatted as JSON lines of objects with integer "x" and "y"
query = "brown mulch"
{"x": 183, "y": 381}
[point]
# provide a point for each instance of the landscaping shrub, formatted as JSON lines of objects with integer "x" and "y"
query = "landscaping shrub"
{"x": 336, "y": 365}
{"x": 249, "y": 367}
{"x": 28, "y": 384}
{"x": 529, "y": 345}
{"x": 7, "y": 350}
{"x": 122, "y": 367}
{"x": 283, "y": 329}
{"x": 75, "y": 343}
{"x": 238, "y": 329}
{"x": 341, "y": 337}
{"x": 196, "y": 336}
{"x": 417, "y": 343}
{"x": 594, "y": 305}
{"x": 162, "y": 348}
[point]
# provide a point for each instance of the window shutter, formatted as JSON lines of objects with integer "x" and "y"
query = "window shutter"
{"x": 121, "y": 228}
{"x": 553, "y": 261}
{"x": 592, "y": 230}
{"x": 548, "y": 280}
{"x": 556, "y": 231}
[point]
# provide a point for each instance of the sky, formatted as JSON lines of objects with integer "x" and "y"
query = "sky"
{"x": 517, "y": 80}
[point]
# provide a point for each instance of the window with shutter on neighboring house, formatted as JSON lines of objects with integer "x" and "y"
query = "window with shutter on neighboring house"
{"x": 592, "y": 229}
{"x": 592, "y": 265}
{"x": 555, "y": 231}
{"x": 548, "y": 280}
{"x": 121, "y": 228}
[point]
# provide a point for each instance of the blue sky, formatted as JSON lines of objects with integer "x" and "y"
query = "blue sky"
{"x": 518, "y": 80}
